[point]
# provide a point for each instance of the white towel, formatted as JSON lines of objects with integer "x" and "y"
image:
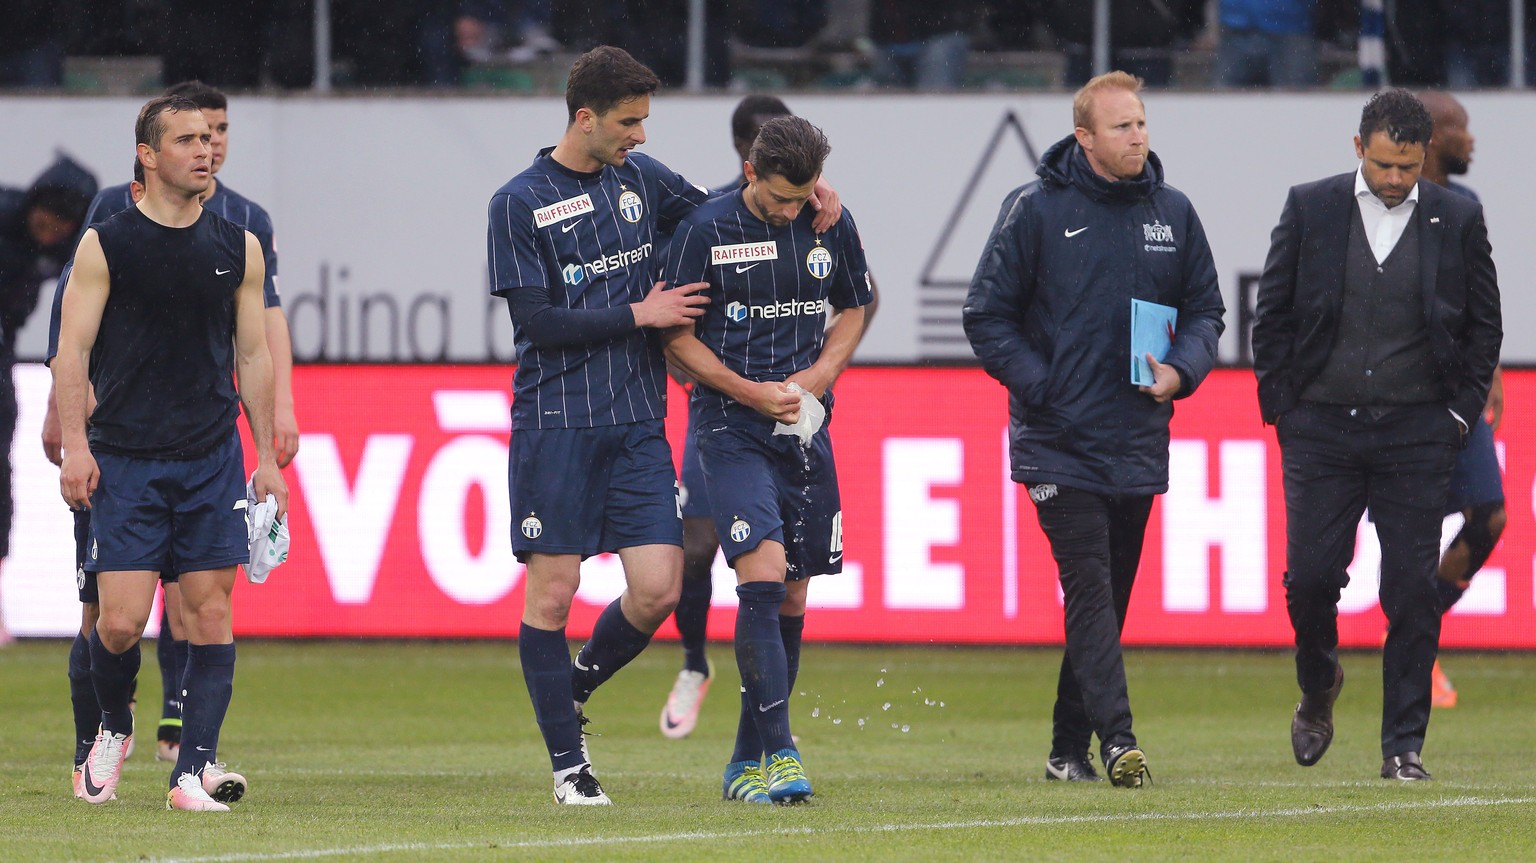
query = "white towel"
{"x": 812, "y": 415}
{"x": 268, "y": 535}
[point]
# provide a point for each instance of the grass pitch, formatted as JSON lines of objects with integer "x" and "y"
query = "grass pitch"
{"x": 427, "y": 752}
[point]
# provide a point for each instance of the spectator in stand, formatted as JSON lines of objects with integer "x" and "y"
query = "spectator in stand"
{"x": 32, "y": 53}
{"x": 1141, "y": 35}
{"x": 1477, "y": 44}
{"x": 1266, "y": 43}
{"x": 920, "y": 44}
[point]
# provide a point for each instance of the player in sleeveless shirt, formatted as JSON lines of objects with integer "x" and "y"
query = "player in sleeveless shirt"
{"x": 171, "y": 647}
{"x": 163, "y": 309}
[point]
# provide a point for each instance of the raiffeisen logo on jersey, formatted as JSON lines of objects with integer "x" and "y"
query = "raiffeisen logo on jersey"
{"x": 562, "y": 210}
{"x": 575, "y": 274}
{"x": 741, "y": 252}
{"x": 739, "y": 312}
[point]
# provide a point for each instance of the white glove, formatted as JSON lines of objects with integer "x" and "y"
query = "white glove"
{"x": 267, "y": 534}
{"x": 812, "y": 415}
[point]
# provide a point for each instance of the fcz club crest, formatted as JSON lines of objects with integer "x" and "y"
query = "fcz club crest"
{"x": 630, "y": 206}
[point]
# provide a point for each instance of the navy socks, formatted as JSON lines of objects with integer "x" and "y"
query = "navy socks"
{"x": 207, "y": 687}
{"x": 615, "y": 641}
{"x": 693, "y": 622}
{"x": 82, "y": 697}
{"x": 547, "y": 671}
{"x": 112, "y": 674}
{"x": 761, "y": 659}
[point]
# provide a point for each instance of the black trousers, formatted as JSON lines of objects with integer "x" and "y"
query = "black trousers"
{"x": 1338, "y": 461}
{"x": 1096, "y": 540}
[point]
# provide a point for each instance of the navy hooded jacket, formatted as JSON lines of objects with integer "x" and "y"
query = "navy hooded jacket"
{"x": 1048, "y": 314}
{"x": 64, "y": 187}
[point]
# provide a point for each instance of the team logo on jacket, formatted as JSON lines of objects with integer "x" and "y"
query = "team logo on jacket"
{"x": 1159, "y": 237}
{"x": 740, "y": 530}
{"x": 630, "y": 207}
{"x": 819, "y": 262}
{"x": 1043, "y": 492}
{"x": 532, "y": 527}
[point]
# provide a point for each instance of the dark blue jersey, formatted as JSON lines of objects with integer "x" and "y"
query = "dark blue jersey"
{"x": 226, "y": 202}
{"x": 769, "y": 289}
{"x": 588, "y": 241}
{"x": 163, "y": 361}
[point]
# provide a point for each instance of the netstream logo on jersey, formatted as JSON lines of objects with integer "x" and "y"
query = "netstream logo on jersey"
{"x": 559, "y": 211}
{"x": 739, "y": 312}
{"x": 575, "y": 274}
{"x": 742, "y": 252}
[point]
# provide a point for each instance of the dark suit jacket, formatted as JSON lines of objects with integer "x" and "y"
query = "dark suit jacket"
{"x": 1301, "y": 293}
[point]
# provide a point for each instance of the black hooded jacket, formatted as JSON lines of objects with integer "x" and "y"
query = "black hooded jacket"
{"x": 1048, "y": 314}
{"x": 64, "y": 187}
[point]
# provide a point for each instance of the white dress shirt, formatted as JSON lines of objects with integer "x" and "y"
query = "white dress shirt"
{"x": 1383, "y": 226}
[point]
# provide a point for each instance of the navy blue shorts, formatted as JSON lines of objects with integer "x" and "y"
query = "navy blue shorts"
{"x": 767, "y": 486}
{"x": 694, "y": 492}
{"x": 85, "y": 582}
{"x": 160, "y": 514}
{"x": 1476, "y": 480}
{"x": 590, "y": 490}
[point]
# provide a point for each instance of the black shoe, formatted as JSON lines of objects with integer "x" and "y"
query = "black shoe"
{"x": 1072, "y": 768}
{"x": 1406, "y": 767}
{"x": 1312, "y": 724}
{"x": 1126, "y": 765}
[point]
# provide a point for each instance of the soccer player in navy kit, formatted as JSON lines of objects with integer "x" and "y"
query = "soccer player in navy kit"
{"x": 771, "y": 278}
{"x": 570, "y": 247}
{"x": 171, "y": 647}
{"x": 163, "y": 309}
{"x": 680, "y": 714}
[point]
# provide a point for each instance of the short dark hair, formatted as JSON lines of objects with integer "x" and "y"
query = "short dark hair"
{"x": 604, "y": 77}
{"x": 202, "y": 95}
{"x": 1399, "y": 114}
{"x": 752, "y": 111}
{"x": 150, "y": 127}
{"x": 789, "y": 147}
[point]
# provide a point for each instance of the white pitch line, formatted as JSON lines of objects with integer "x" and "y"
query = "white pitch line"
{"x": 692, "y": 836}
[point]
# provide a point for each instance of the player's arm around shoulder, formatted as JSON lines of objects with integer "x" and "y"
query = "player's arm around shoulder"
{"x": 79, "y": 323}
{"x": 253, "y": 363}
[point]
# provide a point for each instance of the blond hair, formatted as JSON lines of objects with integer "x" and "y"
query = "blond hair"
{"x": 1082, "y": 103}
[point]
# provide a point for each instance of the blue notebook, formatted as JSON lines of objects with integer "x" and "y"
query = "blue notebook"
{"x": 1152, "y": 326}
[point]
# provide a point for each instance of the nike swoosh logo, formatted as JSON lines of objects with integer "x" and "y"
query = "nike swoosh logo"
{"x": 203, "y": 749}
{"x": 577, "y": 662}
{"x": 667, "y": 718}
{"x": 558, "y": 754}
{"x": 1076, "y": 232}
{"x": 219, "y": 272}
{"x": 764, "y": 708}
{"x": 836, "y": 557}
{"x": 741, "y": 269}
{"x": 566, "y": 229}
{"x": 91, "y": 788}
